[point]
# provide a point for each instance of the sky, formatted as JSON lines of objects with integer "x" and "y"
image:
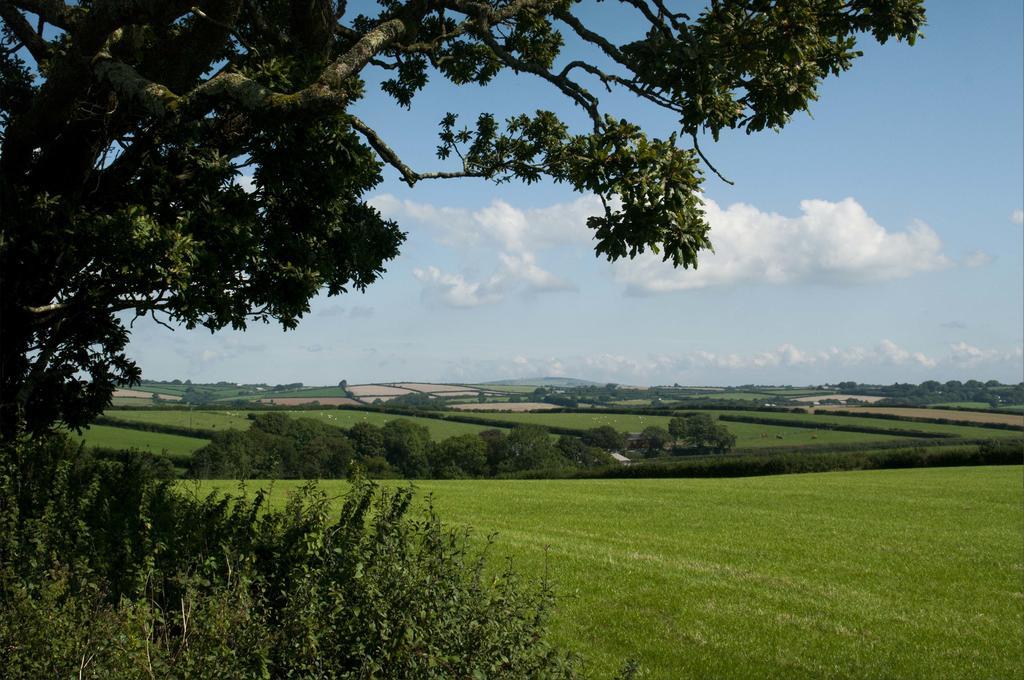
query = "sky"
{"x": 879, "y": 239}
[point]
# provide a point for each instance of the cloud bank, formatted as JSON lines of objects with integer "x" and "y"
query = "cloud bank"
{"x": 717, "y": 368}
{"x": 828, "y": 242}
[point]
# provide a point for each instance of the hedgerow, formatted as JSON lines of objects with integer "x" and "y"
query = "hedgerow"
{"x": 107, "y": 572}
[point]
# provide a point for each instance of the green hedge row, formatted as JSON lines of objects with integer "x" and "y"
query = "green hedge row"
{"x": 988, "y": 453}
{"x": 155, "y": 427}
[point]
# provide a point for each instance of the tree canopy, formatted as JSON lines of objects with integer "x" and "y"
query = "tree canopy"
{"x": 126, "y": 125}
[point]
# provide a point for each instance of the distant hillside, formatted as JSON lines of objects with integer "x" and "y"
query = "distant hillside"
{"x": 545, "y": 382}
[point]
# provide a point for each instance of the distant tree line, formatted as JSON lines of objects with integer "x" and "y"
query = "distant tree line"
{"x": 278, "y": 446}
{"x": 991, "y": 392}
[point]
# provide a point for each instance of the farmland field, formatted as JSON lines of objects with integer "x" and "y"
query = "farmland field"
{"x": 966, "y": 431}
{"x": 197, "y": 420}
{"x": 178, "y": 448}
{"x": 933, "y": 413}
{"x": 309, "y": 392}
{"x": 749, "y": 434}
{"x": 895, "y": 573}
{"x": 521, "y": 406}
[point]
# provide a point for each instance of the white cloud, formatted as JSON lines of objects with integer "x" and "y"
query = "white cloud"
{"x": 523, "y": 267}
{"x": 509, "y": 228}
{"x": 977, "y": 258}
{"x": 247, "y": 183}
{"x": 519, "y": 271}
{"x": 829, "y": 242}
{"x": 455, "y": 291}
{"x": 515, "y": 233}
{"x": 968, "y": 356}
{"x": 834, "y": 242}
{"x": 1017, "y": 216}
{"x": 713, "y": 367}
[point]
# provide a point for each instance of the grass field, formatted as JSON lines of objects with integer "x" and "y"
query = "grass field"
{"x": 966, "y": 431}
{"x": 731, "y": 396}
{"x": 195, "y": 419}
{"x": 178, "y": 448}
{"x": 895, "y": 573}
{"x": 748, "y": 435}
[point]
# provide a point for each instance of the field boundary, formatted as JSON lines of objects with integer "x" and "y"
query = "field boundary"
{"x": 988, "y": 453}
{"x": 912, "y": 419}
{"x": 838, "y": 427}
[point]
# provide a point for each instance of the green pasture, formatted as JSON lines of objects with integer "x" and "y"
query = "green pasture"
{"x": 731, "y": 396}
{"x": 796, "y": 392}
{"x": 192, "y": 419}
{"x": 747, "y": 435}
{"x": 215, "y": 391}
{"x": 882, "y": 574}
{"x": 177, "y": 447}
{"x": 966, "y": 431}
{"x": 984, "y": 405}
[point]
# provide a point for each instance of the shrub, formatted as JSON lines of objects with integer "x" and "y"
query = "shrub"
{"x": 107, "y": 572}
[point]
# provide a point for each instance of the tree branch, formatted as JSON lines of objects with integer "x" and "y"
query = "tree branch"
{"x": 20, "y": 27}
{"x": 409, "y": 176}
{"x": 53, "y": 12}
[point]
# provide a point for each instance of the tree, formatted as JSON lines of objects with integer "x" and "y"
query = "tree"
{"x": 459, "y": 456}
{"x": 656, "y": 439}
{"x": 701, "y": 432}
{"x": 127, "y": 126}
{"x": 407, "y": 447}
{"x": 529, "y": 447}
{"x": 605, "y": 437}
{"x": 575, "y": 451}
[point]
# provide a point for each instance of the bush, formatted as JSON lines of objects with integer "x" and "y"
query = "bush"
{"x": 108, "y": 572}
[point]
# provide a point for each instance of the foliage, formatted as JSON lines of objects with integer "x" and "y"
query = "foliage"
{"x": 150, "y": 582}
{"x": 126, "y": 129}
{"x": 527, "y": 447}
{"x": 655, "y": 439}
{"x": 929, "y": 392}
{"x": 277, "y": 446}
{"x": 923, "y": 562}
{"x": 994, "y": 452}
{"x": 604, "y": 437}
{"x": 701, "y": 432}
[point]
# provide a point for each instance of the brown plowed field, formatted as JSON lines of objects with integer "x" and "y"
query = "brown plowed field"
{"x": 377, "y": 391}
{"x": 515, "y": 408}
{"x": 436, "y": 388}
{"x": 932, "y": 414}
{"x": 139, "y": 394}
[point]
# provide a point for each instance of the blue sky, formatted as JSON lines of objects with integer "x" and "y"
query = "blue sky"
{"x": 879, "y": 241}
